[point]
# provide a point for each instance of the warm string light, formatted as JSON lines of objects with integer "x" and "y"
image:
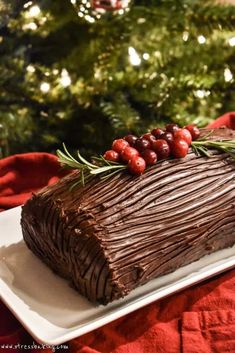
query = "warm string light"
{"x": 141, "y": 20}
{"x": 34, "y": 11}
{"x": 146, "y": 56}
{"x": 45, "y": 87}
{"x": 97, "y": 73}
{"x": 30, "y": 68}
{"x": 201, "y": 93}
{"x": 27, "y": 4}
{"x": 134, "y": 57}
{"x": 65, "y": 79}
{"x": 228, "y": 76}
{"x": 201, "y": 39}
{"x": 231, "y": 41}
{"x": 157, "y": 54}
{"x": 153, "y": 76}
{"x": 185, "y": 36}
{"x": 43, "y": 20}
{"x": 30, "y": 26}
{"x": 90, "y": 19}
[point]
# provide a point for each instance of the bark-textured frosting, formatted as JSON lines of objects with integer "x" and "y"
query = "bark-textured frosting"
{"x": 116, "y": 234}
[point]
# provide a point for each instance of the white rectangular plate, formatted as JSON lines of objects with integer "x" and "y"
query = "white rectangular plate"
{"x": 53, "y": 312}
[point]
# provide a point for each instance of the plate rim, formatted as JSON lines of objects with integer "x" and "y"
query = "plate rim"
{"x": 137, "y": 303}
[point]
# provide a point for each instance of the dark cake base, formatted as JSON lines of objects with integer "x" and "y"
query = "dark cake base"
{"x": 114, "y": 235}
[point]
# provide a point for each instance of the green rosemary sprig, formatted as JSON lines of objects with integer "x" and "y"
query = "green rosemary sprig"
{"x": 202, "y": 147}
{"x": 100, "y": 167}
{"x": 106, "y": 169}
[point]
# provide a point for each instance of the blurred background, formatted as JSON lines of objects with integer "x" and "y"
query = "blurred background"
{"x": 86, "y": 71}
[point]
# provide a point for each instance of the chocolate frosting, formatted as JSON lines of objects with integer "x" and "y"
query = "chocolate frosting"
{"x": 113, "y": 235}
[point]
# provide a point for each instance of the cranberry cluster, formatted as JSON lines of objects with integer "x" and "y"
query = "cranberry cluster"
{"x": 139, "y": 152}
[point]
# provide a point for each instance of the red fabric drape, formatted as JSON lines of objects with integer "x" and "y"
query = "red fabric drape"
{"x": 200, "y": 319}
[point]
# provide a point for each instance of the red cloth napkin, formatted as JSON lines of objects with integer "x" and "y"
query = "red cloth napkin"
{"x": 23, "y": 173}
{"x": 227, "y": 119}
{"x": 200, "y": 319}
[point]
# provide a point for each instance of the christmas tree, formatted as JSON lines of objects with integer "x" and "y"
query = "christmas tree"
{"x": 83, "y": 72}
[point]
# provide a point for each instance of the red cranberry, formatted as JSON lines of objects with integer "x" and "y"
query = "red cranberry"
{"x": 179, "y": 148}
{"x": 194, "y": 131}
{"x": 136, "y": 165}
{"x": 128, "y": 153}
{"x": 157, "y": 132}
{"x": 149, "y": 137}
{"x": 172, "y": 127}
{"x": 111, "y": 155}
{"x": 161, "y": 147}
{"x": 183, "y": 134}
{"x": 130, "y": 139}
{"x": 119, "y": 145}
{"x": 168, "y": 137}
{"x": 149, "y": 156}
{"x": 142, "y": 144}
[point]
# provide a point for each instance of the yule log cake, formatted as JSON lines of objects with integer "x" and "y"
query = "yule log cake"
{"x": 112, "y": 235}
